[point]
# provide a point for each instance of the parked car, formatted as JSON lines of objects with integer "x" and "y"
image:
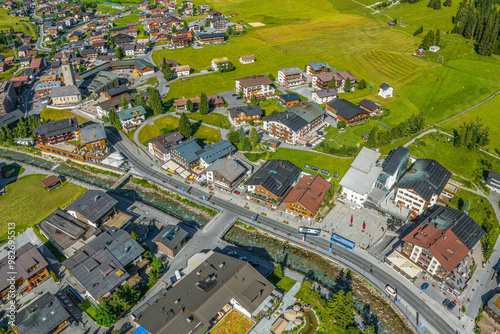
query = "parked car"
{"x": 236, "y": 192}
{"x": 452, "y": 305}
{"x": 424, "y": 286}
{"x": 231, "y": 253}
{"x": 446, "y": 302}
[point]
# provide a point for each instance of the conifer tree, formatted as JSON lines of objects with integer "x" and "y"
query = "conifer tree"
{"x": 185, "y": 126}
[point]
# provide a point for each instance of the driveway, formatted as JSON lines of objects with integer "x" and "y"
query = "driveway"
{"x": 303, "y": 90}
{"x": 232, "y": 101}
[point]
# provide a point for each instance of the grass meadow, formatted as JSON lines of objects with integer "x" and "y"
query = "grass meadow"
{"x": 17, "y": 203}
{"x": 351, "y": 37}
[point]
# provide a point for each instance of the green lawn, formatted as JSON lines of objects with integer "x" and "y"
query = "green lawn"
{"x": 87, "y": 307}
{"x": 20, "y": 24}
{"x": 170, "y": 123}
{"x": 284, "y": 283}
{"x": 458, "y": 160}
{"x": 26, "y": 202}
{"x": 311, "y": 323}
{"x": 351, "y": 37}
{"x": 351, "y": 135}
{"x": 7, "y": 75}
{"x": 482, "y": 212}
{"x": 122, "y": 22}
{"x": 488, "y": 112}
{"x": 214, "y": 119}
{"x": 331, "y": 132}
{"x": 234, "y": 322}
{"x": 300, "y": 158}
{"x": 49, "y": 114}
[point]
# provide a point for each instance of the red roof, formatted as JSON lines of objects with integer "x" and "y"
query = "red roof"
{"x": 449, "y": 250}
{"x": 36, "y": 63}
{"x": 309, "y": 192}
{"x": 21, "y": 78}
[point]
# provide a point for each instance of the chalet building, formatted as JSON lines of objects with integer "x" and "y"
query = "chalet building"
{"x": 182, "y": 71}
{"x": 347, "y": 111}
{"x": 181, "y": 41}
{"x": 214, "y": 101}
{"x": 66, "y": 233}
{"x": 259, "y": 86}
{"x": 131, "y": 118}
{"x": 360, "y": 178}
{"x": 104, "y": 107}
{"x": 191, "y": 155}
{"x": 288, "y": 100}
{"x": 219, "y": 23}
{"x": 170, "y": 240}
{"x": 386, "y": 91}
{"x": 94, "y": 207}
{"x": 56, "y": 132}
{"x": 90, "y": 146}
{"x": 306, "y": 197}
{"x": 297, "y": 124}
{"x": 289, "y": 77}
{"x": 244, "y": 114}
{"x": 341, "y": 77}
{"x": 214, "y": 14}
{"x": 31, "y": 270}
{"x": 322, "y": 80}
{"x": 45, "y": 314}
{"x": 372, "y": 107}
{"x": 441, "y": 241}
{"x": 160, "y": 146}
{"x": 108, "y": 256}
{"x": 316, "y": 68}
{"x": 272, "y": 181}
{"x": 210, "y": 38}
{"x": 220, "y": 63}
{"x": 247, "y": 59}
{"x": 324, "y": 95}
{"x": 225, "y": 173}
{"x": 422, "y": 185}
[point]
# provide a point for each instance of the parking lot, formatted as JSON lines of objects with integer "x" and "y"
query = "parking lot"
{"x": 303, "y": 90}
{"x": 339, "y": 221}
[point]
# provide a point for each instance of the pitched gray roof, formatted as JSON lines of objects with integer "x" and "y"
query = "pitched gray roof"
{"x": 326, "y": 92}
{"x": 426, "y": 177}
{"x": 346, "y": 108}
{"x": 202, "y": 293}
{"x": 276, "y": 176}
{"x": 188, "y": 149}
{"x": 217, "y": 151}
{"x": 93, "y": 204}
{"x": 395, "y": 159}
{"x": 247, "y": 110}
{"x": 41, "y": 316}
{"x": 171, "y": 236}
{"x": 64, "y": 91}
{"x": 99, "y": 265}
{"x": 117, "y": 90}
{"x": 11, "y": 117}
{"x": 297, "y": 116}
{"x": 26, "y": 257}
{"x": 230, "y": 169}
{"x": 384, "y": 86}
{"x": 369, "y": 104}
{"x": 92, "y": 132}
{"x": 58, "y": 127}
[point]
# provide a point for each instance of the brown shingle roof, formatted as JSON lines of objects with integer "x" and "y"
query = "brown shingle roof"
{"x": 309, "y": 192}
{"x": 254, "y": 80}
{"x": 50, "y": 181}
{"x": 449, "y": 250}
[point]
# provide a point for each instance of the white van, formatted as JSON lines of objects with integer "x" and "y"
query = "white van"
{"x": 390, "y": 290}
{"x": 177, "y": 275}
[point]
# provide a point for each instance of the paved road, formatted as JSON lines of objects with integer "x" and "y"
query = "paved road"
{"x": 424, "y": 134}
{"x": 434, "y": 314}
{"x": 39, "y": 42}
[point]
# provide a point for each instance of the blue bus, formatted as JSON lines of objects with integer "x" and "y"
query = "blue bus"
{"x": 342, "y": 242}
